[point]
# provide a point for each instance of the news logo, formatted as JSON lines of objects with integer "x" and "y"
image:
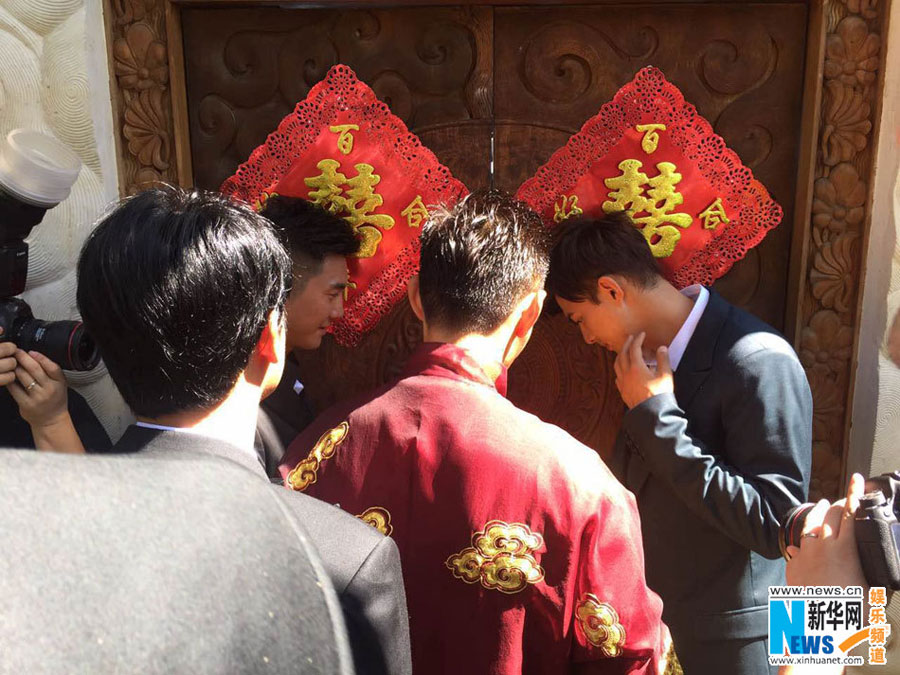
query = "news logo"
{"x": 821, "y": 624}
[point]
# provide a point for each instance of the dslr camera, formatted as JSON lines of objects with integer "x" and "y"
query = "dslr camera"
{"x": 876, "y": 529}
{"x": 36, "y": 174}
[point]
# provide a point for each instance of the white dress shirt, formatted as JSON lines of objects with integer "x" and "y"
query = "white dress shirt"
{"x": 686, "y": 332}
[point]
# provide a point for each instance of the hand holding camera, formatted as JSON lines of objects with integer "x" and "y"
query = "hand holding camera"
{"x": 36, "y": 383}
{"x": 826, "y": 555}
{"x": 857, "y": 537}
{"x": 39, "y": 388}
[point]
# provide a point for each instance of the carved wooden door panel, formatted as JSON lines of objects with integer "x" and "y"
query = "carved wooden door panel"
{"x": 528, "y": 77}
{"x": 741, "y": 65}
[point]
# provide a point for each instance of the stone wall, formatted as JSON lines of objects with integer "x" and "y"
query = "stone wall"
{"x": 54, "y": 79}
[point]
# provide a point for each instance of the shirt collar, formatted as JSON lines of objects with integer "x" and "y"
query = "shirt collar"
{"x": 680, "y": 342}
{"x": 448, "y": 360}
{"x": 249, "y": 453}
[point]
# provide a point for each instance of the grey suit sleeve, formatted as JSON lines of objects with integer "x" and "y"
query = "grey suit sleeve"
{"x": 375, "y": 608}
{"x": 745, "y": 487}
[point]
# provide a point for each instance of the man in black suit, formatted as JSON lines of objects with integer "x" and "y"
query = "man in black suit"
{"x": 716, "y": 444}
{"x": 184, "y": 293}
{"x": 145, "y": 565}
{"x": 319, "y": 243}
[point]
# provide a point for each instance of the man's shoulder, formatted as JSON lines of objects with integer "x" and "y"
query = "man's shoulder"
{"x": 344, "y": 543}
{"x": 746, "y": 341}
{"x": 551, "y": 452}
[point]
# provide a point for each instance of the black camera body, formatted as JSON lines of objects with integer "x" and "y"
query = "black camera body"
{"x": 36, "y": 171}
{"x": 876, "y": 529}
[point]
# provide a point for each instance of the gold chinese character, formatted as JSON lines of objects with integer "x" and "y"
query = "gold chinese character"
{"x": 714, "y": 215}
{"x": 350, "y": 284}
{"x": 362, "y": 200}
{"x": 877, "y": 595}
{"x": 651, "y": 137}
{"x": 659, "y": 226}
{"x": 877, "y": 615}
{"x": 355, "y": 199}
{"x": 566, "y": 207}
{"x": 877, "y": 635}
{"x": 877, "y": 656}
{"x": 329, "y": 186}
{"x": 345, "y": 138}
{"x": 415, "y": 213}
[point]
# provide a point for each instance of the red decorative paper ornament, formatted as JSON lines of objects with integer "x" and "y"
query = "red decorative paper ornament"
{"x": 343, "y": 149}
{"x": 650, "y": 153}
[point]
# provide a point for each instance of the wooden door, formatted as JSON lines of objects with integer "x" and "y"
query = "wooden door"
{"x": 526, "y": 78}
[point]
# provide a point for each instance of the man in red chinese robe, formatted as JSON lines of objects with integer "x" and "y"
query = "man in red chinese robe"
{"x": 521, "y": 552}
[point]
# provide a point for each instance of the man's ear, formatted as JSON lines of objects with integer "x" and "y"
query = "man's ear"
{"x": 271, "y": 342}
{"x": 610, "y": 290}
{"x": 415, "y": 299}
{"x": 534, "y": 302}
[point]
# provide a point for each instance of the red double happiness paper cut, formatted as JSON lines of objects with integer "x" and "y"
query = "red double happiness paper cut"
{"x": 649, "y": 153}
{"x": 343, "y": 149}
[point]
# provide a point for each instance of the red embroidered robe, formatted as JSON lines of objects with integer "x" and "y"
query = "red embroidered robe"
{"x": 521, "y": 552}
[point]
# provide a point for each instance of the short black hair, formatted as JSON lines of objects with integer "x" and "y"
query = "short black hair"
{"x": 310, "y": 232}
{"x": 478, "y": 260}
{"x": 176, "y": 288}
{"x": 587, "y": 248}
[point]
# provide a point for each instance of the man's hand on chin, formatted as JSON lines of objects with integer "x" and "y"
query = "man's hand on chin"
{"x": 635, "y": 381}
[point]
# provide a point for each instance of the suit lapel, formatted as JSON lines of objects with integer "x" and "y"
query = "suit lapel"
{"x": 697, "y": 361}
{"x": 160, "y": 442}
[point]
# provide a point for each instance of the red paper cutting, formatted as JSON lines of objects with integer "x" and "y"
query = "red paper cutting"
{"x": 650, "y": 153}
{"x": 342, "y": 148}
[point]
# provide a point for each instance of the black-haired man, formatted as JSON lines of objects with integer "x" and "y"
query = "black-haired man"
{"x": 184, "y": 294}
{"x": 521, "y": 552}
{"x": 715, "y": 454}
{"x": 319, "y": 244}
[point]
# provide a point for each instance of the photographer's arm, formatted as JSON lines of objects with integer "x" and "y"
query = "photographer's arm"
{"x": 39, "y": 388}
{"x": 829, "y": 557}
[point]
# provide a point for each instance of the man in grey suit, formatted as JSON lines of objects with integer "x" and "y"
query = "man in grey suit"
{"x": 184, "y": 293}
{"x": 716, "y": 444}
{"x": 139, "y": 565}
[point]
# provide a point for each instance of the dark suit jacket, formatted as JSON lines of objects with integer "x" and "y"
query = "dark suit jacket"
{"x": 363, "y": 565}
{"x": 282, "y": 416}
{"x": 714, "y": 468}
{"x": 113, "y": 564}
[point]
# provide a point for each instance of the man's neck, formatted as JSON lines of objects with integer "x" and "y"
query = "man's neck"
{"x": 485, "y": 350}
{"x": 665, "y": 310}
{"x": 233, "y": 420}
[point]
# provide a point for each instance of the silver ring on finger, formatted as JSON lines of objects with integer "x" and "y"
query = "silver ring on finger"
{"x": 31, "y": 386}
{"x": 811, "y": 535}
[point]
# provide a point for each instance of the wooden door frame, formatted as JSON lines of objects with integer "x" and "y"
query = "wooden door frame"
{"x": 823, "y": 309}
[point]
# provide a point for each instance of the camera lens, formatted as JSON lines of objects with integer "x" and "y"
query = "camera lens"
{"x": 792, "y": 526}
{"x": 65, "y": 342}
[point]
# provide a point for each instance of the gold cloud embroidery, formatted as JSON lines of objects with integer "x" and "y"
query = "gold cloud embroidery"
{"x": 379, "y": 518}
{"x": 501, "y": 558}
{"x": 304, "y": 474}
{"x": 600, "y": 624}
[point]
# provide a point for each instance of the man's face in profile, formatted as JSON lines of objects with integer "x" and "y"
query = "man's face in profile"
{"x": 607, "y": 320}
{"x": 315, "y": 303}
